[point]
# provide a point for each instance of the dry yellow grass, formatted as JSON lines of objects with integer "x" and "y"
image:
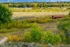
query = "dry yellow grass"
{"x": 36, "y": 14}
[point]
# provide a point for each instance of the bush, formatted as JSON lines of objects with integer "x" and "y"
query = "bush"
{"x": 50, "y": 37}
{"x": 64, "y": 25}
{"x": 34, "y": 35}
{"x": 27, "y": 37}
{"x": 15, "y": 38}
{"x": 15, "y": 24}
{"x": 5, "y": 14}
{"x": 63, "y": 39}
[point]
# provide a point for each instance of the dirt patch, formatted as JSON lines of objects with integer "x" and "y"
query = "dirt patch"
{"x": 49, "y": 26}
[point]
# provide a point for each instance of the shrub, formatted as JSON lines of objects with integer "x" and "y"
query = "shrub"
{"x": 27, "y": 37}
{"x": 34, "y": 35}
{"x": 15, "y": 38}
{"x": 63, "y": 39}
{"x": 15, "y": 24}
{"x": 50, "y": 37}
{"x": 64, "y": 25}
{"x": 5, "y": 14}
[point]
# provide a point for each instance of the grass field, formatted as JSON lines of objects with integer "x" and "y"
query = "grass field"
{"x": 36, "y": 14}
{"x": 49, "y": 9}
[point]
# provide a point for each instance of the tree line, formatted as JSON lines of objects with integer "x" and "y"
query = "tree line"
{"x": 38, "y": 4}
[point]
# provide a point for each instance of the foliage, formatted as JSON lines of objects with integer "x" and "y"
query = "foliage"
{"x": 34, "y": 35}
{"x": 5, "y": 14}
{"x": 63, "y": 39}
{"x": 35, "y": 5}
{"x": 41, "y": 20}
{"x": 9, "y": 30}
{"x": 15, "y": 38}
{"x": 18, "y": 24}
{"x": 27, "y": 37}
{"x": 15, "y": 24}
{"x": 50, "y": 37}
{"x": 64, "y": 25}
{"x": 39, "y": 4}
{"x": 37, "y": 10}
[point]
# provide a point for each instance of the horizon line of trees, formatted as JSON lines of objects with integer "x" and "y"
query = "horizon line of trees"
{"x": 37, "y": 4}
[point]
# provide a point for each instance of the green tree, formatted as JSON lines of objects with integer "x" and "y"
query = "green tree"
{"x": 45, "y": 5}
{"x": 5, "y": 14}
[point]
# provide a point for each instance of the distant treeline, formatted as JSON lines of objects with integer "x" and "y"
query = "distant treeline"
{"x": 38, "y": 4}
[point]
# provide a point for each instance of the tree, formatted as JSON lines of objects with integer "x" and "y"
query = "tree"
{"x": 45, "y": 5}
{"x": 64, "y": 25}
{"x": 35, "y": 5}
{"x": 5, "y": 14}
